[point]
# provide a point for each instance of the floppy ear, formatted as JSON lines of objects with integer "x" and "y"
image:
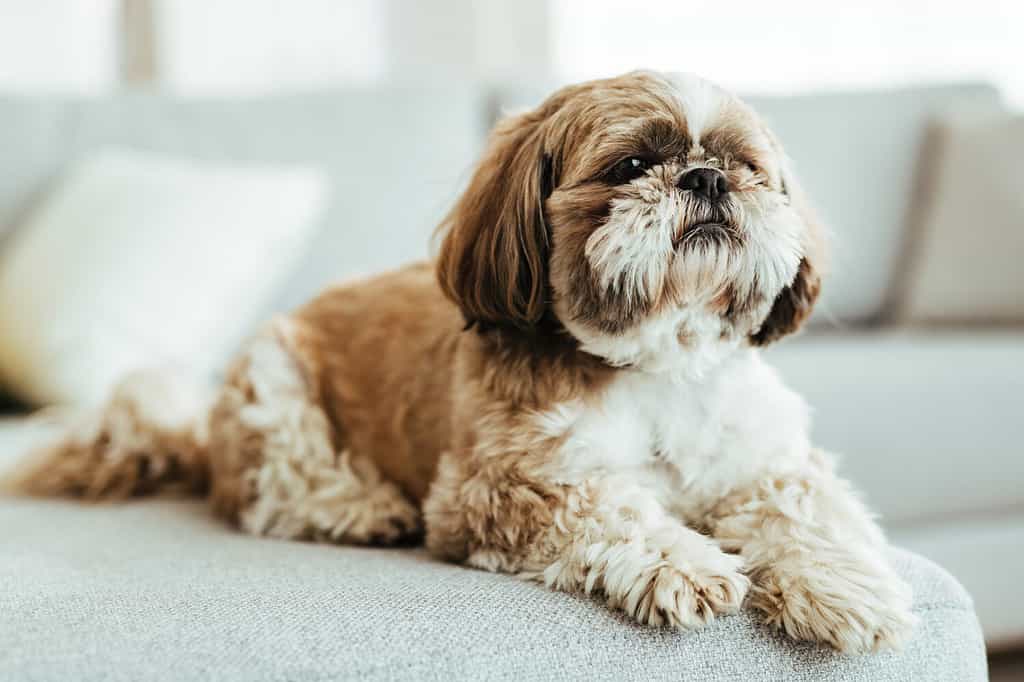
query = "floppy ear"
{"x": 794, "y": 303}
{"x": 493, "y": 259}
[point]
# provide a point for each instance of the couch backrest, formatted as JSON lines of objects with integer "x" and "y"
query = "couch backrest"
{"x": 397, "y": 157}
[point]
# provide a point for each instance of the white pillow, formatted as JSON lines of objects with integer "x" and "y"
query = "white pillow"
{"x": 136, "y": 260}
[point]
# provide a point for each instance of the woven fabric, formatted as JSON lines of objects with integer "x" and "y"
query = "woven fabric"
{"x": 160, "y": 591}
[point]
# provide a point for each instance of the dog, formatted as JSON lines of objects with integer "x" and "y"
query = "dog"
{"x": 572, "y": 392}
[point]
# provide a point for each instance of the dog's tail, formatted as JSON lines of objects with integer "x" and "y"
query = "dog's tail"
{"x": 149, "y": 438}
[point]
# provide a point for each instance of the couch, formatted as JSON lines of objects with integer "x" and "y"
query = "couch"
{"x": 160, "y": 591}
{"x": 927, "y": 418}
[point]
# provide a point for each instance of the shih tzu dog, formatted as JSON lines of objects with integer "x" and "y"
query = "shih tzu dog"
{"x": 571, "y": 393}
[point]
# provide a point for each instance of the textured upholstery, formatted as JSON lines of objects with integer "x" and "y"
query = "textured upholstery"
{"x": 160, "y": 591}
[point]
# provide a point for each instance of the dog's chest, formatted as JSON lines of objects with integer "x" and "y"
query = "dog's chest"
{"x": 695, "y": 438}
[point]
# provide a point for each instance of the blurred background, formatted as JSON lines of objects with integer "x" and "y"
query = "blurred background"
{"x": 173, "y": 171}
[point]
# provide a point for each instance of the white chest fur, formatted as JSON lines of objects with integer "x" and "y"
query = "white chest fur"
{"x": 689, "y": 439}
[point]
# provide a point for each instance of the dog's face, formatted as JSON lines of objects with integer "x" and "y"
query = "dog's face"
{"x": 634, "y": 204}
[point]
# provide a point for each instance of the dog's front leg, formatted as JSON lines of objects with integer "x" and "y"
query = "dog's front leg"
{"x": 606, "y": 536}
{"x": 816, "y": 560}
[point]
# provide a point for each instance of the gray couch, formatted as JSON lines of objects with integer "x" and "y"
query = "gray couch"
{"x": 928, "y": 421}
{"x": 160, "y": 591}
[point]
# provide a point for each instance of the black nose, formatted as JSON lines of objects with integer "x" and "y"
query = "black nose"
{"x": 705, "y": 182}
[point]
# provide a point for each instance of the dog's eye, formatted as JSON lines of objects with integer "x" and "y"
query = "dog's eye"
{"x": 753, "y": 168}
{"x": 629, "y": 169}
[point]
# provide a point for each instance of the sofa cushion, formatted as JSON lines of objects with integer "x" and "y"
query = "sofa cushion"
{"x": 969, "y": 233}
{"x": 160, "y": 591}
{"x": 984, "y": 552}
{"x": 928, "y": 425}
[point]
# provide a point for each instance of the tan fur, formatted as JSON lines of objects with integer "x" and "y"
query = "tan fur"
{"x": 462, "y": 399}
{"x": 281, "y": 466}
{"x": 381, "y": 357}
{"x": 147, "y": 439}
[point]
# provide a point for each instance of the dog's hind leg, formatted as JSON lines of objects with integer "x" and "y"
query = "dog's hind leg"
{"x": 279, "y": 466}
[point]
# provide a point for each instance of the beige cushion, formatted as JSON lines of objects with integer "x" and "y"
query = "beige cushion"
{"x": 965, "y": 254}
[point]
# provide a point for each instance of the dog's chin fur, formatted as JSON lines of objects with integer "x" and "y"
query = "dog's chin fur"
{"x": 572, "y": 393}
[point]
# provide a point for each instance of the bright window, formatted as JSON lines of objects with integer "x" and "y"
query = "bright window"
{"x": 244, "y": 46}
{"x": 787, "y": 45}
{"x": 58, "y": 45}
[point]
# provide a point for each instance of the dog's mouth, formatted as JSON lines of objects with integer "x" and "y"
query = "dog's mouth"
{"x": 713, "y": 231}
{"x": 710, "y": 229}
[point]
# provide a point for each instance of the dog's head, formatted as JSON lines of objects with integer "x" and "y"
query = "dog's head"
{"x": 638, "y": 203}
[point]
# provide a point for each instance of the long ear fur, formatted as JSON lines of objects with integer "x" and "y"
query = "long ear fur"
{"x": 794, "y": 303}
{"x": 493, "y": 259}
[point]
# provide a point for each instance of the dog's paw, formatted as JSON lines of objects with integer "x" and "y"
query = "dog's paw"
{"x": 682, "y": 593}
{"x": 854, "y": 606}
{"x": 382, "y": 516}
{"x": 689, "y": 599}
{"x": 387, "y": 520}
